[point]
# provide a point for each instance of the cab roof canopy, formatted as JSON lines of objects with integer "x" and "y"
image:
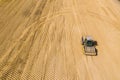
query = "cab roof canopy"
{"x": 89, "y": 38}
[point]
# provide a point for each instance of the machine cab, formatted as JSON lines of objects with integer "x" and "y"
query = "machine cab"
{"x": 89, "y": 42}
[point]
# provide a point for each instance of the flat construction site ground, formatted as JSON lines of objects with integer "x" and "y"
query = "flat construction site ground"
{"x": 41, "y": 39}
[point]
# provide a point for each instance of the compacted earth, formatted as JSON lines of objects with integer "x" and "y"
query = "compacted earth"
{"x": 41, "y": 39}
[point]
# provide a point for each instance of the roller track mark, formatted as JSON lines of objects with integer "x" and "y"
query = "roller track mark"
{"x": 87, "y": 68}
{"x": 43, "y": 41}
{"x": 5, "y": 27}
{"x": 16, "y": 59}
{"x": 74, "y": 58}
{"x": 77, "y": 18}
{"x": 28, "y": 52}
{"x": 18, "y": 41}
{"x": 42, "y": 37}
{"x": 105, "y": 18}
{"x": 102, "y": 17}
{"x": 15, "y": 43}
{"x": 45, "y": 57}
{"x": 95, "y": 69}
{"x": 12, "y": 7}
{"x": 25, "y": 32}
{"x": 56, "y": 14}
{"x": 44, "y": 63}
{"x": 112, "y": 12}
{"x": 31, "y": 66}
{"x": 26, "y": 74}
{"x": 3, "y": 4}
{"x": 40, "y": 5}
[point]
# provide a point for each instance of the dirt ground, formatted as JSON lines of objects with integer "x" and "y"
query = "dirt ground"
{"x": 41, "y": 39}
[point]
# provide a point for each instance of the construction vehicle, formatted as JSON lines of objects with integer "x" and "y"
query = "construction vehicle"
{"x": 89, "y": 46}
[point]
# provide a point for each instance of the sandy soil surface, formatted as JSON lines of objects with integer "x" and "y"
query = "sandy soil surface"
{"x": 41, "y": 39}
